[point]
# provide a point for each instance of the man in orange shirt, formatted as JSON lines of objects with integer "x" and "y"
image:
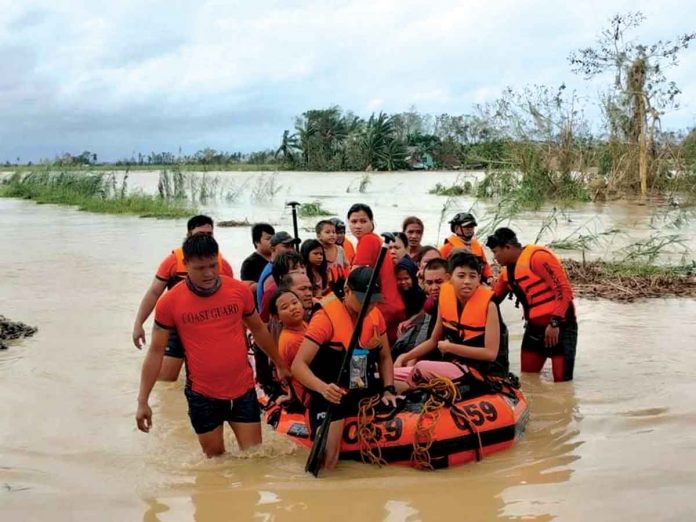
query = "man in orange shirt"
{"x": 171, "y": 271}
{"x": 210, "y": 312}
{"x": 537, "y": 278}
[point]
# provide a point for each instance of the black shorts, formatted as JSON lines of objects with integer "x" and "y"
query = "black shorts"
{"x": 348, "y": 408}
{"x": 174, "y": 347}
{"x": 533, "y": 341}
{"x": 207, "y": 414}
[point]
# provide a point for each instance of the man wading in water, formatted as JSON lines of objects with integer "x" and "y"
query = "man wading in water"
{"x": 537, "y": 278}
{"x": 171, "y": 271}
{"x": 210, "y": 311}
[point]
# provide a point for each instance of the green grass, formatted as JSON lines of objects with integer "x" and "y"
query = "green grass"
{"x": 92, "y": 193}
{"x": 313, "y": 209}
{"x": 453, "y": 190}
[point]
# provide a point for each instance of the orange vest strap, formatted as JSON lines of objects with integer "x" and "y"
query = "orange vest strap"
{"x": 181, "y": 266}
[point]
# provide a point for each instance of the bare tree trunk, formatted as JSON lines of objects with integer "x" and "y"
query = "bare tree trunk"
{"x": 643, "y": 162}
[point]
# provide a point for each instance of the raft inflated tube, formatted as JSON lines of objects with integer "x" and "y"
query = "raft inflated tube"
{"x": 468, "y": 430}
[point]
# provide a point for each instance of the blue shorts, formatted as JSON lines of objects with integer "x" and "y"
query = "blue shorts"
{"x": 174, "y": 347}
{"x": 207, "y": 414}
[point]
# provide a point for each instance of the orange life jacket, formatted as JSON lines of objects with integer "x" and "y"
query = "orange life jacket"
{"x": 335, "y": 274}
{"x": 471, "y": 321}
{"x": 468, "y": 323}
{"x": 349, "y": 249}
{"x": 475, "y": 247}
{"x": 181, "y": 271}
{"x": 536, "y": 296}
{"x": 342, "y": 323}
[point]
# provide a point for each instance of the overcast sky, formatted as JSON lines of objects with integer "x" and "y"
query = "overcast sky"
{"x": 122, "y": 77}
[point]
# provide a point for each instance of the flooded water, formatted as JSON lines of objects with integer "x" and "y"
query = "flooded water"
{"x": 618, "y": 443}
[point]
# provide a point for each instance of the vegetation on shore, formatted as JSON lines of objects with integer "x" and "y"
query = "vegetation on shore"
{"x": 92, "y": 192}
{"x": 630, "y": 281}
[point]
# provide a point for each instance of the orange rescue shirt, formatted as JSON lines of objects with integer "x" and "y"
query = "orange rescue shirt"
{"x": 212, "y": 333}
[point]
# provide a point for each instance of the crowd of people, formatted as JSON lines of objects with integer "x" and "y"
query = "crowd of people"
{"x": 433, "y": 312}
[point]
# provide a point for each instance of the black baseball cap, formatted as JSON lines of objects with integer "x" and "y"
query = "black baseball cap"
{"x": 284, "y": 238}
{"x": 358, "y": 281}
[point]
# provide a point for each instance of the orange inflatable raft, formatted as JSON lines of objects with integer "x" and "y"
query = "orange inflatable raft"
{"x": 429, "y": 428}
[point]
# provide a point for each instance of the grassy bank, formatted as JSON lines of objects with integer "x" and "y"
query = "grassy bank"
{"x": 92, "y": 192}
{"x": 154, "y": 167}
{"x": 620, "y": 281}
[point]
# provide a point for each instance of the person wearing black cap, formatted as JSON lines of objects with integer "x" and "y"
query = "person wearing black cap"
{"x": 463, "y": 226}
{"x": 280, "y": 242}
{"x": 537, "y": 278}
{"x": 319, "y": 358}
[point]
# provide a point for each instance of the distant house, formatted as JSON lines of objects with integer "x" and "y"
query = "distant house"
{"x": 418, "y": 160}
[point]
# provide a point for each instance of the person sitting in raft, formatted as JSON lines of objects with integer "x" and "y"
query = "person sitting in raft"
{"x": 318, "y": 361}
{"x": 210, "y": 311}
{"x": 413, "y": 228}
{"x": 537, "y": 278}
{"x": 286, "y": 307}
{"x": 427, "y": 253}
{"x": 326, "y": 235}
{"x": 361, "y": 222}
{"x": 299, "y": 283}
{"x": 463, "y": 226}
{"x": 315, "y": 263}
{"x": 280, "y": 242}
{"x": 343, "y": 241}
{"x": 171, "y": 271}
{"x": 420, "y": 327}
{"x": 469, "y": 331}
{"x": 397, "y": 248}
{"x": 407, "y": 283}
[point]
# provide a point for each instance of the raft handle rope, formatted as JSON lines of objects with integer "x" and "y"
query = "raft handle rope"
{"x": 368, "y": 438}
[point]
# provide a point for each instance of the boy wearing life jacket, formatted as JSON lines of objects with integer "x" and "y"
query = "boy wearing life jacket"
{"x": 537, "y": 278}
{"x": 210, "y": 313}
{"x": 319, "y": 358}
{"x": 463, "y": 226}
{"x": 171, "y": 271}
{"x": 469, "y": 331}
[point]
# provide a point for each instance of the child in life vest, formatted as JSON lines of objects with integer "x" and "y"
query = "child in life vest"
{"x": 468, "y": 332}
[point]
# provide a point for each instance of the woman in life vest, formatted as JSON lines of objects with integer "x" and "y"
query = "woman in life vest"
{"x": 318, "y": 361}
{"x": 469, "y": 331}
{"x": 361, "y": 222}
{"x": 463, "y": 226}
{"x": 538, "y": 280}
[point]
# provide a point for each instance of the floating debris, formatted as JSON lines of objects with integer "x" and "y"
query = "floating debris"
{"x": 10, "y": 330}
{"x": 234, "y": 223}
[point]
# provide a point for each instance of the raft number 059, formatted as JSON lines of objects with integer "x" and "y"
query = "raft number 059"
{"x": 392, "y": 429}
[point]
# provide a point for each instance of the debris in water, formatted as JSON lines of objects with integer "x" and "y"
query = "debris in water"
{"x": 234, "y": 223}
{"x": 10, "y": 330}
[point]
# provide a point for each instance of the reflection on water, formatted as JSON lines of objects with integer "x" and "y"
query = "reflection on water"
{"x": 616, "y": 444}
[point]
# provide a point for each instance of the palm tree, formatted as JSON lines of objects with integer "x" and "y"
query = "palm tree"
{"x": 288, "y": 145}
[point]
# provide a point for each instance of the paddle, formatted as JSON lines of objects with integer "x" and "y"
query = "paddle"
{"x": 314, "y": 460}
{"x": 294, "y": 205}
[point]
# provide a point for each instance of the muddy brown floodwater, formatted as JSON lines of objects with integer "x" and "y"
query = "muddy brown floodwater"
{"x": 618, "y": 443}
